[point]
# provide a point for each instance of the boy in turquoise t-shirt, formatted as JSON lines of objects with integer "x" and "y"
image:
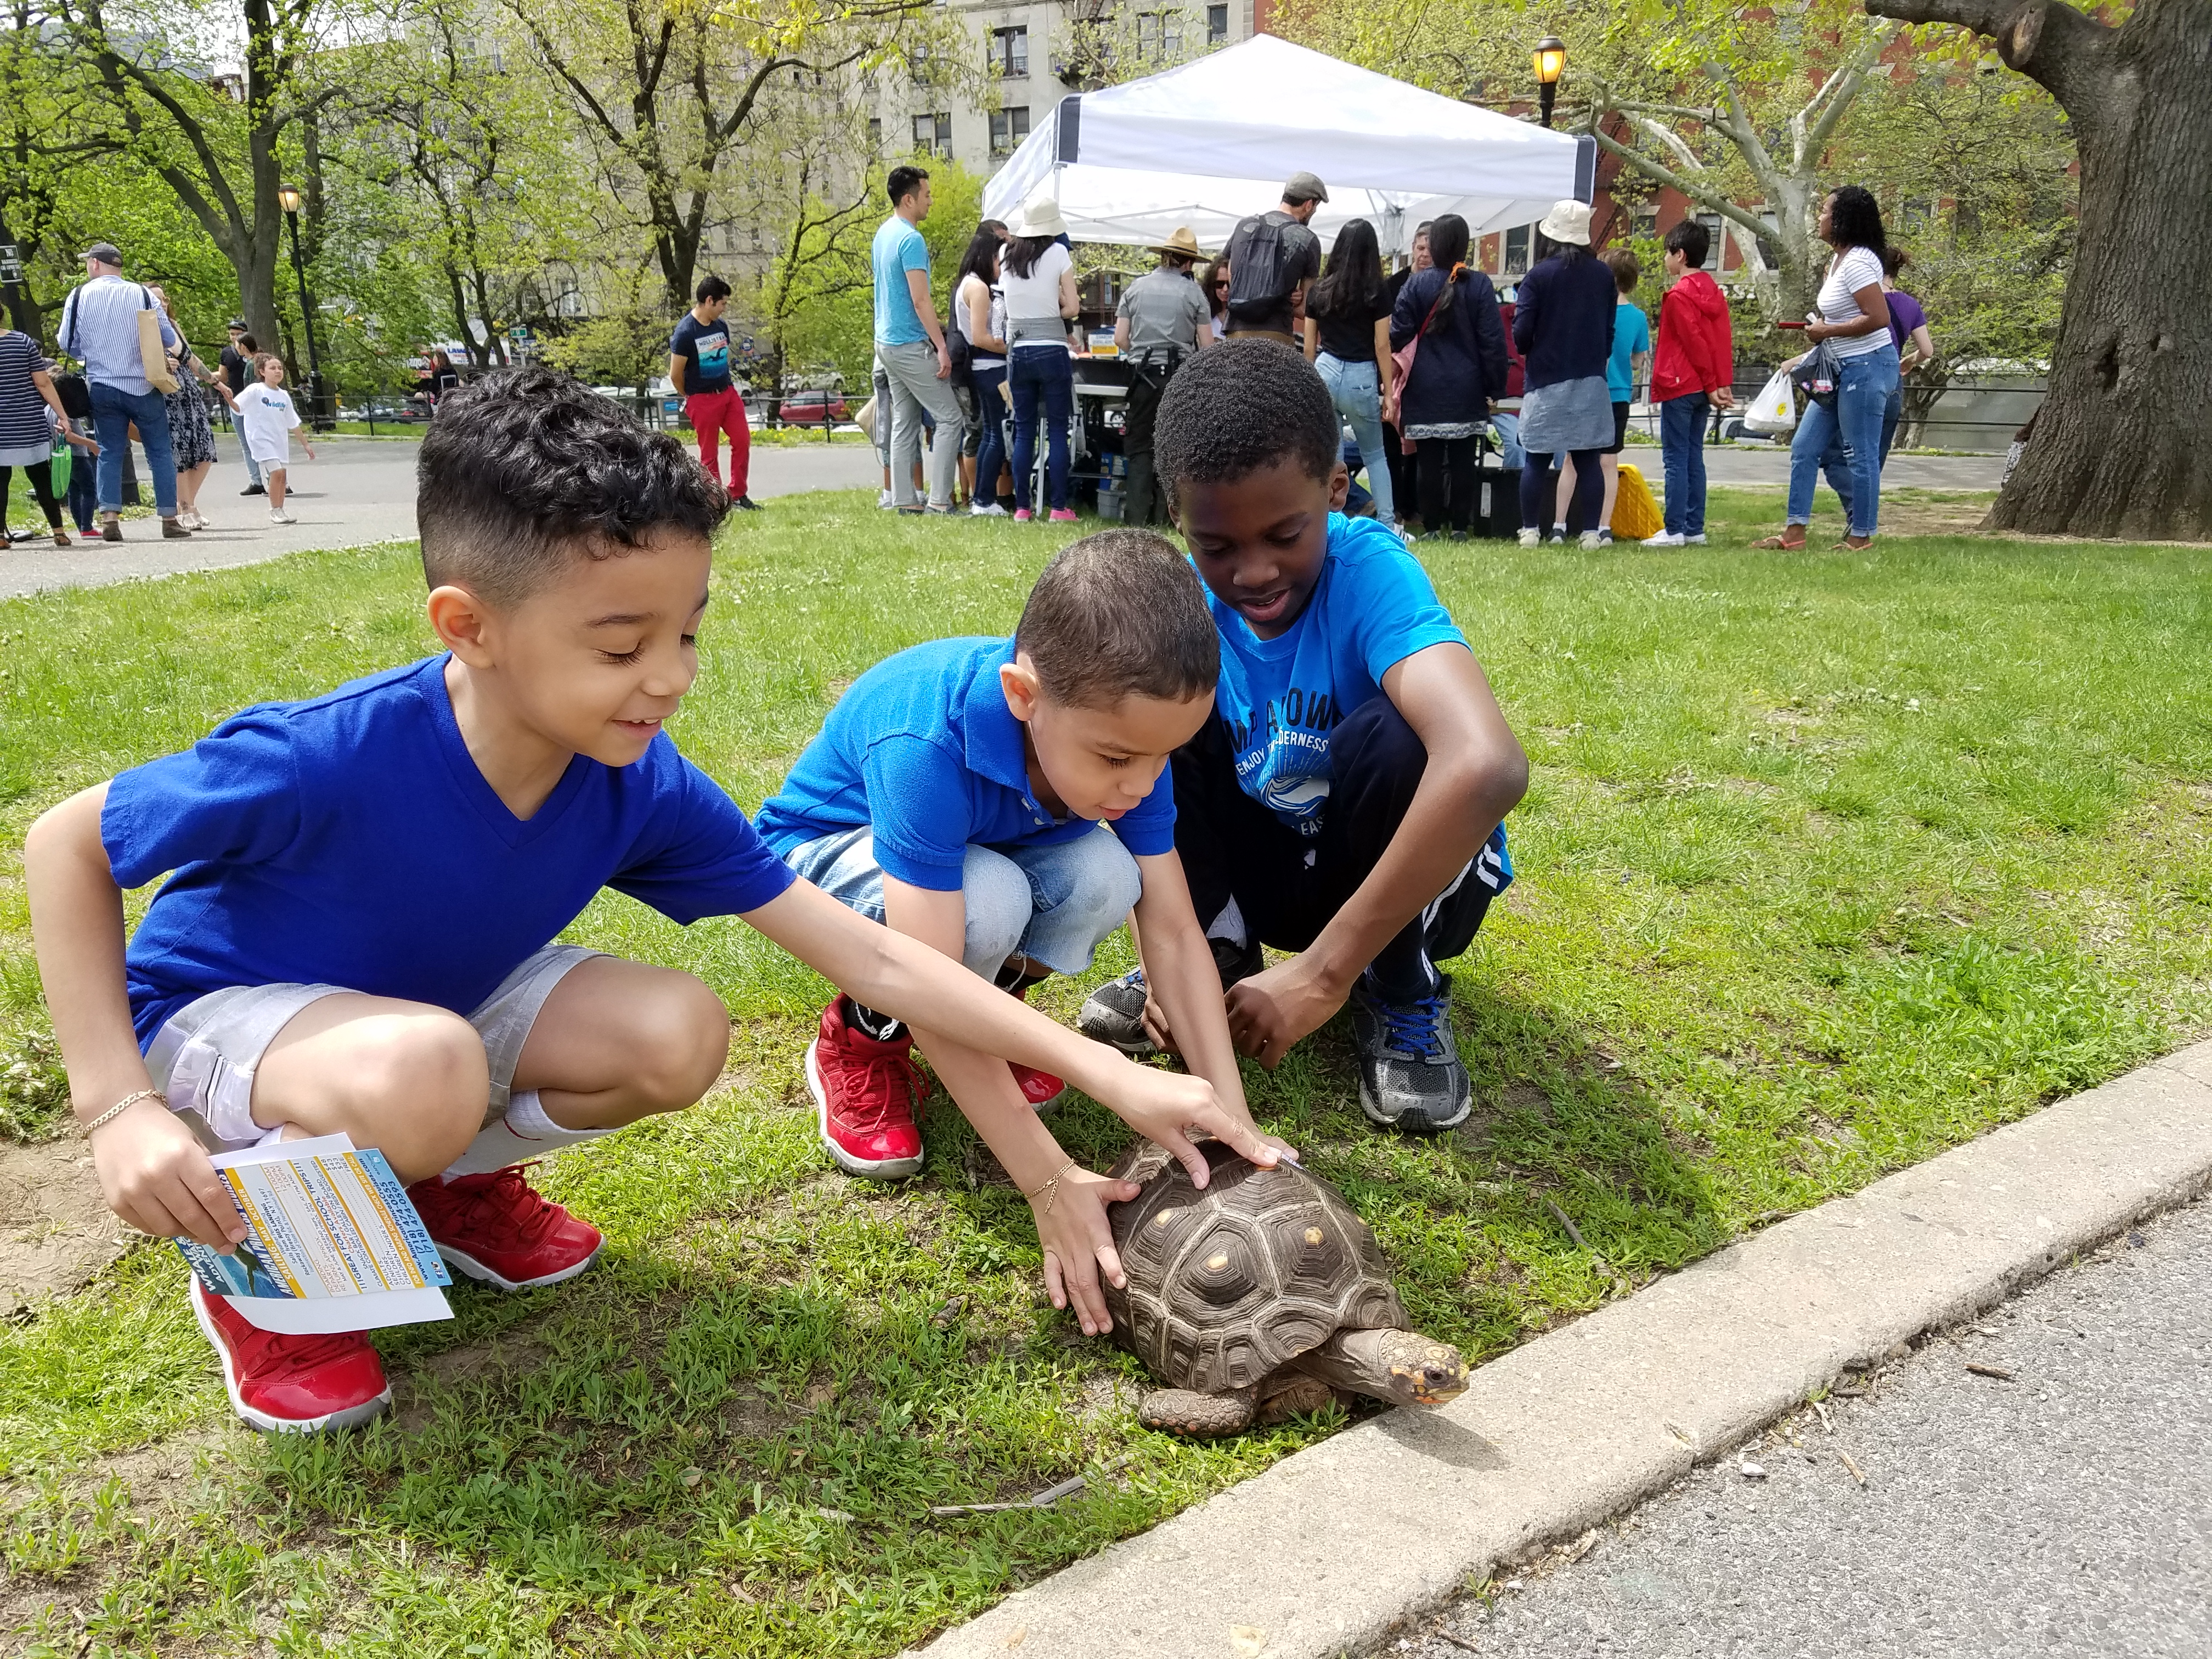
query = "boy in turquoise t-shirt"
{"x": 1344, "y": 799}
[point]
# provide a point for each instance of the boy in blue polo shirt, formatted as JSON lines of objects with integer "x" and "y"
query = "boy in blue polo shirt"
{"x": 1344, "y": 801}
{"x": 960, "y": 793}
{"x": 356, "y": 936}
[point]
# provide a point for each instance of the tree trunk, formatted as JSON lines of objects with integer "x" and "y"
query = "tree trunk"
{"x": 2120, "y": 447}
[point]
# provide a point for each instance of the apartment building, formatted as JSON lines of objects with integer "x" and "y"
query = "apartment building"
{"x": 1036, "y": 55}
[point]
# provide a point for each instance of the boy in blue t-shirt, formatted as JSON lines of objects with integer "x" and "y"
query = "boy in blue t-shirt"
{"x": 1344, "y": 801}
{"x": 356, "y": 936}
{"x": 959, "y": 793}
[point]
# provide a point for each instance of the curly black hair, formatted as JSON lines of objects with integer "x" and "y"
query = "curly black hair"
{"x": 1239, "y": 406}
{"x": 527, "y": 469}
{"x": 1119, "y": 614}
{"x": 1854, "y": 219}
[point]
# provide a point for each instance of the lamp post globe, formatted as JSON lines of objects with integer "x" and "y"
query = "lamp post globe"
{"x": 1550, "y": 62}
{"x": 289, "y": 197}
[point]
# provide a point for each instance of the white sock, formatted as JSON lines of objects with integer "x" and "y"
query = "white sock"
{"x": 1230, "y": 927}
{"x": 523, "y": 1133}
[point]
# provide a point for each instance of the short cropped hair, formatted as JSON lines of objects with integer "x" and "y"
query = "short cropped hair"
{"x": 1626, "y": 273}
{"x": 711, "y": 288}
{"x": 1239, "y": 406}
{"x": 1119, "y": 614}
{"x": 904, "y": 182}
{"x": 1692, "y": 241}
{"x": 527, "y": 469}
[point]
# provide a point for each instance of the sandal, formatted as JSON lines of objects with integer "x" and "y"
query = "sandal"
{"x": 61, "y": 538}
{"x": 1849, "y": 545}
{"x": 1782, "y": 544}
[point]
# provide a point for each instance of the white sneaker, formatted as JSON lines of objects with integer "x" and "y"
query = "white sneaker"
{"x": 1667, "y": 538}
{"x": 1592, "y": 540}
{"x": 1697, "y": 540}
{"x": 986, "y": 510}
{"x": 278, "y": 515}
{"x": 883, "y": 498}
{"x": 1532, "y": 538}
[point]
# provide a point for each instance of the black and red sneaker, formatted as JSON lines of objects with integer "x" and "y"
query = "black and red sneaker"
{"x": 497, "y": 1228}
{"x": 292, "y": 1384}
{"x": 867, "y": 1095}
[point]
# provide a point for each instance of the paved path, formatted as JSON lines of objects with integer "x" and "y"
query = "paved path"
{"x": 359, "y": 490}
{"x": 1730, "y": 465}
{"x": 2067, "y": 1511}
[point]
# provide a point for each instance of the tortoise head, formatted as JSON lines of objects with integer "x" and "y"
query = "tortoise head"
{"x": 1418, "y": 1371}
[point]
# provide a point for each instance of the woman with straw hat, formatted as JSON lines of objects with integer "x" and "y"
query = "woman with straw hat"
{"x": 1563, "y": 323}
{"x": 1037, "y": 276}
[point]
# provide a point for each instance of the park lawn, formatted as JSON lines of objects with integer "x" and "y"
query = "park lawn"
{"x": 1829, "y": 861}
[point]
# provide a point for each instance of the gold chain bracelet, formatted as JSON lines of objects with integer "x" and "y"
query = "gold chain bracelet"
{"x": 121, "y": 1106}
{"x": 1050, "y": 1190}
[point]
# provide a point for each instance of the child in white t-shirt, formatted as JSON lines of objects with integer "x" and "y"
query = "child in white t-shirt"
{"x": 266, "y": 419}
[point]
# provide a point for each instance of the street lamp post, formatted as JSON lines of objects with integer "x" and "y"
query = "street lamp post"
{"x": 288, "y": 196}
{"x": 1551, "y": 62}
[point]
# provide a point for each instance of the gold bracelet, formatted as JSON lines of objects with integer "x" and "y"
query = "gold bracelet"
{"x": 1050, "y": 1189}
{"x": 121, "y": 1106}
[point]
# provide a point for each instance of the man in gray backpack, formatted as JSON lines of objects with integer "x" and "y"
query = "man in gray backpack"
{"x": 1273, "y": 258}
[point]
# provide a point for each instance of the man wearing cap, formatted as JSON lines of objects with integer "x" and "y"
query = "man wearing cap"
{"x": 236, "y": 364}
{"x": 1162, "y": 318}
{"x": 1272, "y": 259}
{"x": 100, "y": 329}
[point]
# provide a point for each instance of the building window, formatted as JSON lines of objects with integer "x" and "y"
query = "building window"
{"x": 933, "y": 134}
{"x": 1159, "y": 36}
{"x": 1715, "y": 229}
{"x": 1008, "y": 128}
{"x": 1516, "y": 251}
{"x": 1010, "y": 51}
{"x": 918, "y": 61}
{"x": 1217, "y": 25}
{"x": 876, "y": 134}
{"x": 1644, "y": 225}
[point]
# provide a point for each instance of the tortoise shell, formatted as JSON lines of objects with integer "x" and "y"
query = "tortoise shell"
{"x": 1228, "y": 1284}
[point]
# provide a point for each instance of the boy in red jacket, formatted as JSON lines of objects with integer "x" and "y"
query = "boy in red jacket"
{"x": 1692, "y": 371}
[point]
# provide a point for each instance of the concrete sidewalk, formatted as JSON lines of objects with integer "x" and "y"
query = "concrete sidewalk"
{"x": 356, "y": 492}
{"x": 1331, "y": 1549}
{"x": 2055, "y": 1503}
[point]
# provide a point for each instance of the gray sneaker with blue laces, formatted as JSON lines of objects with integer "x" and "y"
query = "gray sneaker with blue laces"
{"x": 1410, "y": 1074}
{"x": 1115, "y": 1013}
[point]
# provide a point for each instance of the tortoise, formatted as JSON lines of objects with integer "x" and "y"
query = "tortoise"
{"x": 1262, "y": 1296}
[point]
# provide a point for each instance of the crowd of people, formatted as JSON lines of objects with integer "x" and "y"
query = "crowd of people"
{"x": 1419, "y": 362}
{"x": 69, "y": 431}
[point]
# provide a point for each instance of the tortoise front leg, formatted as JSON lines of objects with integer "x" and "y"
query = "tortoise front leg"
{"x": 1185, "y": 1410}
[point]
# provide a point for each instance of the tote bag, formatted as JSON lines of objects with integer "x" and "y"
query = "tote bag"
{"x": 153, "y": 356}
{"x": 1402, "y": 358}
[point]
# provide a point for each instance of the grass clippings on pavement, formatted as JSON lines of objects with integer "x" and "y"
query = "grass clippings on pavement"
{"x": 1829, "y": 861}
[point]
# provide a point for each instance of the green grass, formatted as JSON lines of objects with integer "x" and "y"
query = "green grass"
{"x": 1829, "y": 861}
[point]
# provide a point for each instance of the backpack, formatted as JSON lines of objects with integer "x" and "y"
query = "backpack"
{"x": 1259, "y": 268}
{"x": 958, "y": 351}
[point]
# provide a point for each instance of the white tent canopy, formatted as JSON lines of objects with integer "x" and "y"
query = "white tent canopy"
{"x": 1208, "y": 143}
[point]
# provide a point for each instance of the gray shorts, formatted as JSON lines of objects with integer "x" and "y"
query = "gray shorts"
{"x": 203, "y": 1058}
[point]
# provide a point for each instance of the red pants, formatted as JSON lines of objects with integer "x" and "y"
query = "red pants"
{"x": 712, "y": 414}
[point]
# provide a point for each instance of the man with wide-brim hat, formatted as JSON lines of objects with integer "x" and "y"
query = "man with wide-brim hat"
{"x": 1162, "y": 318}
{"x": 1272, "y": 259}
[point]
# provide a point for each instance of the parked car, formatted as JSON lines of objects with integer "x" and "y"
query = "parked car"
{"x": 812, "y": 407}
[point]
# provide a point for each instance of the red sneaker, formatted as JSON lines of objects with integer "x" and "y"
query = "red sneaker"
{"x": 1040, "y": 1089}
{"x": 303, "y": 1384}
{"x": 868, "y": 1098}
{"x": 494, "y": 1227}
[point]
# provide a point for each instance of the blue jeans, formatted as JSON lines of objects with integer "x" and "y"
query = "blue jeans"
{"x": 1835, "y": 462}
{"x": 1507, "y": 425}
{"x": 1356, "y": 390}
{"x": 991, "y": 419}
{"x": 113, "y": 410}
{"x": 1682, "y": 458}
{"x": 83, "y": 488}
{"x": 1863, "y": 390}
{"x": 1047, "y": 372}
{"x": 1052, "y": 904}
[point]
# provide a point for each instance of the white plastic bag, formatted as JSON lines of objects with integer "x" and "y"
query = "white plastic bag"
{"x": 1773, "y": 413}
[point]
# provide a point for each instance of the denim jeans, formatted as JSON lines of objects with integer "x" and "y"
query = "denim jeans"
{"x": 1507, "y": 425}
{"x": 1356, "y": 390}
{"x": 910, "y": 370}
{"x": 1045, "y": 373}
{"x": 991, "y": 441}
{"x": 1682, "y": 458}
{"x": 1836, "y": 461}
{"x": 113, "y": 410}
{"x": 1052, "y": 904}
{"x": 1862, "y": 389}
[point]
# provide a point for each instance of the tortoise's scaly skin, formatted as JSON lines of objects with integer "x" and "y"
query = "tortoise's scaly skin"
{"x": 1228, "y": 1285}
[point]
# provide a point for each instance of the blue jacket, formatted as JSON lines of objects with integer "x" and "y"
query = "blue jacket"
{"x": 1563, "y": 320}
{"x": 1462, "y": 366}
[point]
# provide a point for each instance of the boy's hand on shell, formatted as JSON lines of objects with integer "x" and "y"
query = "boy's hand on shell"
{"x": 155, "y": 1175}
{"x": 1079, "y": 1245}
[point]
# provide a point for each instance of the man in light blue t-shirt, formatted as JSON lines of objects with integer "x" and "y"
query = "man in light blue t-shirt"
{"x": 910, "y": 345}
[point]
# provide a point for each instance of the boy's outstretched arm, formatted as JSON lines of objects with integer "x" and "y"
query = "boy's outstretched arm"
{"x": 967, "y": 1027}
{"x": 1476, "y": 773}
{"x": 153, "y": 1170}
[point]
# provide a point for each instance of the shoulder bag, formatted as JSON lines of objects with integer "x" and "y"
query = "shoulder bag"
{"x": 1402, "y": 358}
{"x": 153, "y": 355}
